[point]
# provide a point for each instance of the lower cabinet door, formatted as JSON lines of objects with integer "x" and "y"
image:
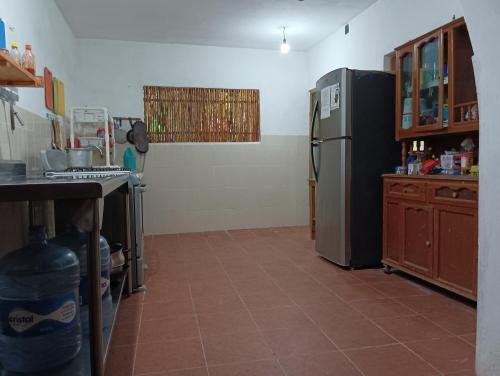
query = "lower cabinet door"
{"x": 417, "y": 245}
{"x": 455, "y": 235}
{"x": 392, "y": 231}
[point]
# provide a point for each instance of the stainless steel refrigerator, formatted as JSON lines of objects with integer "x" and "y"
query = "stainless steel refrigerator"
{"x": 352, "y": 144}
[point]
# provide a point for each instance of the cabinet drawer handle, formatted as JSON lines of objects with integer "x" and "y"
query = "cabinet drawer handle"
{"x": 428, "y": 243}
{"x": 454, "y": 194}
{"x": 407, "y": 190}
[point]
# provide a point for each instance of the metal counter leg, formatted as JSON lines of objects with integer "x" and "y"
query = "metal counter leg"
{"x": 95, "y": 302}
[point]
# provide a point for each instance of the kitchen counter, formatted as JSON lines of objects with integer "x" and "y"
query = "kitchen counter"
{"x": 434, "y": 177}
{"x": 42, "y": 188}
{"x": 83, "y": 196}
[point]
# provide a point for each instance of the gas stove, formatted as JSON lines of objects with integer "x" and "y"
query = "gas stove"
{"x": 88, "y": 172}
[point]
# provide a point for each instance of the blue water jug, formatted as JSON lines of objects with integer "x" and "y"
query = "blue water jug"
{"x": 77, "y": 241}
{"x": 39, "y": 316}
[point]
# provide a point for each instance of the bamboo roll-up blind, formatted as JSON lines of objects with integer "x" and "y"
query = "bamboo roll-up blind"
{"x": 177, "y": 114}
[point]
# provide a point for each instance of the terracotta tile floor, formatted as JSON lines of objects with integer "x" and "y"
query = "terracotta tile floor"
{"x": 262, "y": 303}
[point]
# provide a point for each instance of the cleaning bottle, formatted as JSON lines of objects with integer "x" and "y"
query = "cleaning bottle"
{"x": 129, "y": 160}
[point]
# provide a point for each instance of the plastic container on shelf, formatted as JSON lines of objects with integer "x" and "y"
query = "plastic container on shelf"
{"x": 3, "y": 41}
{"x": 77, "y": 242}
{"x": 29, "y": 60}
{"x": 15, "y": 53}
{"x": 39, "y": 316}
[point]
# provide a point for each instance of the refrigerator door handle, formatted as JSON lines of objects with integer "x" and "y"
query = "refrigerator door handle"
{"x": 336, "y": 138}
{"x": 314, "y": 141}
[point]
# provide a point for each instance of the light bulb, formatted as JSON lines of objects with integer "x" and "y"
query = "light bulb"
{"x": 285, "y": 47}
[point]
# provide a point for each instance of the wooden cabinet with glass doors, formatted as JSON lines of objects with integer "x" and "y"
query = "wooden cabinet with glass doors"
{"x": 436, "y": 89}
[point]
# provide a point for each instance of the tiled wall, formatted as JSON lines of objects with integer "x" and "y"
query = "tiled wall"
{"x": 25, "y": 142}
{"x": 202, "y": 187}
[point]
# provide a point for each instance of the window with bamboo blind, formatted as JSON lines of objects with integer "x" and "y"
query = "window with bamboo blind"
{"x": 178, "y": 114}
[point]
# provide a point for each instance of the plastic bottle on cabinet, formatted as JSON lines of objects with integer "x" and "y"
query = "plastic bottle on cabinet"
{"x": 15, "y": 53}
{"x": 39, "y": 317}
{"x": 77, "y": 242}
{"x": 29, "y": 60}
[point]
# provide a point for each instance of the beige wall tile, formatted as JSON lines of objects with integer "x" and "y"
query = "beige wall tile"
{"x": 201, "y": 187}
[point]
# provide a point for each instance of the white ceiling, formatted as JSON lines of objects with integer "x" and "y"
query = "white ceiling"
{"x": 231, "y": 23}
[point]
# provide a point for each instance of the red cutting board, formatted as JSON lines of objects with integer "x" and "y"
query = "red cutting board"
{"x": 49, "y": 89}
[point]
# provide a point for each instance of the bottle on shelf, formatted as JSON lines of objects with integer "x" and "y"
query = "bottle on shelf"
{"x": 3, "y": 43}
{"x": 29, "y": 60}
{"x": 445, "y": 115}
{"x": 15, "y": 53}
{"x": 412, "y": 157}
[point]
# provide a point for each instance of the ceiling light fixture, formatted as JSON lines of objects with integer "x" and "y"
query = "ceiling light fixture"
{"x": 285, "y": 47}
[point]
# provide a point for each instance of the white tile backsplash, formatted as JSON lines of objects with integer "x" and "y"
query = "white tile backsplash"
{"x": 24, "y": 143}
{"x": 202, "y": 187}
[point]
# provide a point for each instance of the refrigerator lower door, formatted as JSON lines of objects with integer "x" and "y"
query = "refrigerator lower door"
{"x": 138, "y": 239}
{"x": 332, "y": 204}
{"x": 139, "y": 273}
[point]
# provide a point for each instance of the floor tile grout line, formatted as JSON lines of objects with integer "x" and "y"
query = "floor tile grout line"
{"x": 162, "y": 373}
{"x": 242, "y": 362}
{"x": 198, "y": 323}
{"x": 249, "y": 312}
{"x": 437, "y": 324}
{"x": 314, "y": 322}
{"x": 466, "y": 342}
{"x": 373, "y": 322}
{"x": 136, "y": 347}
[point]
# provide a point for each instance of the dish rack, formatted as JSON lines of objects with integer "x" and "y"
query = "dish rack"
{"x": 85, "y": 124}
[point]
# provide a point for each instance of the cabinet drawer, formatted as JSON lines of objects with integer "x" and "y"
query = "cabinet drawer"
{"x": 449, "y": 193}
{"x": 399, "y": 188}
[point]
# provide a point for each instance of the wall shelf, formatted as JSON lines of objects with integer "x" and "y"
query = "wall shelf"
{"x": 13, "y": 75}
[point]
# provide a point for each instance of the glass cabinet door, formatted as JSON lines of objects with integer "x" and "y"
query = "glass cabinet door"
{"x": 405, "y": 82}
{"x": 429, "y": 101}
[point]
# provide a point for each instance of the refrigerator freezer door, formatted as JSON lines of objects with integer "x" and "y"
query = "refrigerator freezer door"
{"x": 332, "y": 203}
{"x": 337, "y": 124}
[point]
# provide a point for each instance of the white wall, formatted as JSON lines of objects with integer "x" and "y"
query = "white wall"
{"x": 376, "y": 32}
{"x": 206, "y": 187}
{"x": 40, "y": 23}
{"x": 113, "y": 74}
{"x": 200, "y": 187}
{"x": 484, "y": 28}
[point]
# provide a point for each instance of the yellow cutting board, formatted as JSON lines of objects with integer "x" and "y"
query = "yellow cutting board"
{"x": 60, "y": 98}
{"x": 56, "y": 98}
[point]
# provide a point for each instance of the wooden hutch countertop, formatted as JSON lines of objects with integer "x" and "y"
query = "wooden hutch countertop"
{"x": 434, "y": 177}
